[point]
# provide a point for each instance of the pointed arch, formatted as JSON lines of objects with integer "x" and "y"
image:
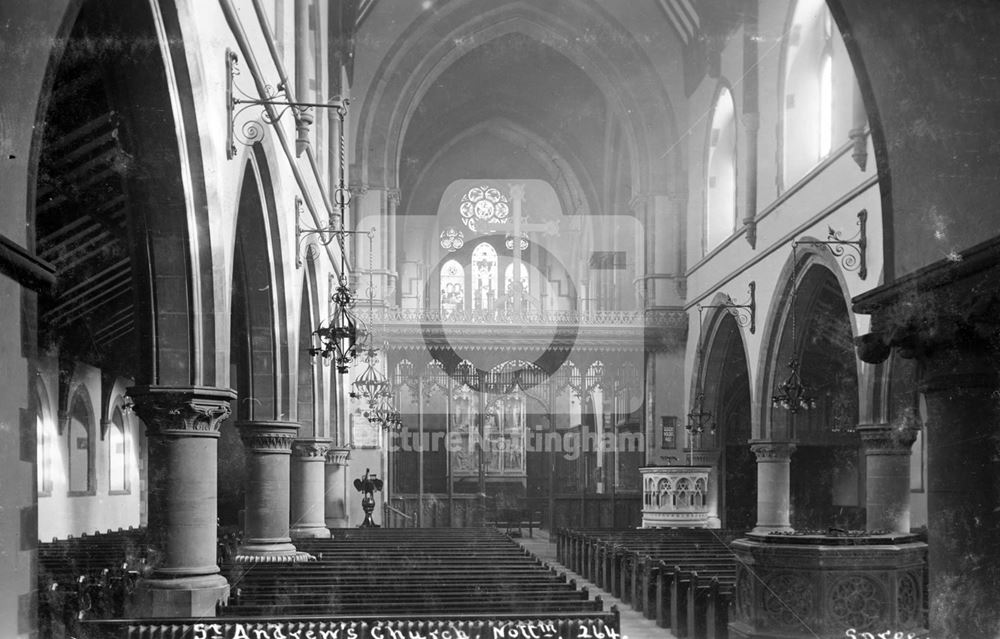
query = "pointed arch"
{"x": 637, "y": 97}
{"x": 259, "y": 330}
{"x": 155, "y": 216}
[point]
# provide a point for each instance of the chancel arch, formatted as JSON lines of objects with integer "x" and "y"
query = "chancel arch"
{"x": 393, "y": 107}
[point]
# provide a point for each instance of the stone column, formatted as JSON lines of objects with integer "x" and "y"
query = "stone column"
{"x": 963, "y": 490}
{"x": 336, "y": 487}
{"x": 308, "y": 486}
{"x": 773, "y": 485}
{"x": 265, "y": 530}
{"x": 887, "y": 476}
{"x": 182, "y": 426}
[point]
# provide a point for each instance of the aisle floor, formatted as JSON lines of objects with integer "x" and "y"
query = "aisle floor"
{"x": 634, "y": 625}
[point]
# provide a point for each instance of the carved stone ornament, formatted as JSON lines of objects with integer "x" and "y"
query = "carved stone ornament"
{"x": 857, "y": 601}
{"x": 268, "y": 436}
{"x": 316, "y": 448}
{"x": 773, "y": 451}
{"x": 884, "y": 439}
{"x": 788, "y": 601}
{"x": 181, "y": 411}
{"x": 338, "y": 456}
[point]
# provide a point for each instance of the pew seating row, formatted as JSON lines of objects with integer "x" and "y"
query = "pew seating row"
{"x": 684, "y": 578}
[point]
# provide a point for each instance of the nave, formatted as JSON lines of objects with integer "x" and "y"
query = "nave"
{"x": 472, "y": 580}
{"x": 670, "y": 583}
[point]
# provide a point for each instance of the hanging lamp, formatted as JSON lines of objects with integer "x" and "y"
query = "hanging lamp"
{"x": 792, "y": 394}
{"x": 698, "y": 419}
{"x": 336, "y": 338}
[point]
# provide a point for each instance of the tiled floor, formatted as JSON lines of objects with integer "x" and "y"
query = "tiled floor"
{"x": 634, "y": 625}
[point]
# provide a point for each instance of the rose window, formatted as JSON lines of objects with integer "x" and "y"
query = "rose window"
{"x": 484, "y": 205}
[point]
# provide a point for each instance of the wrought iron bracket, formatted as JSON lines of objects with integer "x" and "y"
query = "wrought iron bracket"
{"x": 275, "y": 104}
{"x": 839, "y": 247}
{"x": 745, "y": 314}
{"x": 326, "y": 233}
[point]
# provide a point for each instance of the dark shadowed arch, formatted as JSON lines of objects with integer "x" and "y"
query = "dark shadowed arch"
{"x": 115, "y": 190}
{"x": 726, "y": 385}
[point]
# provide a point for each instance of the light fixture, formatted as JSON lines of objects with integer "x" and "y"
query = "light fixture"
{"x": 698, "y": 419}
{"x": 792, "y": 394}
{"x": 745, "y": 314}
{"x": 854, "y": 261}
{"x": 337, "y": 336}
{"x": 275, "y": 103}
{"x": 371, "y": 384}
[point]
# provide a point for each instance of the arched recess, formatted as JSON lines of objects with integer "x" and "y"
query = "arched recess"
{"x": 309, "y": 388}
{"x": 635, "y": 97}
{"x": 117, "y": 195}
{"x": 81, "y": 440}
{"x": 827, "y": 469}
{"x": 258, "y": 356}
{"x": 726, "y": 387}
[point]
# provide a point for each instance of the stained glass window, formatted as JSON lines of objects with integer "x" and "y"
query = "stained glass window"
{"x": 508, "y": 280}
{"x": 484, "y": 205}
{"x": 452, "y": 286}
{"x": 485, "y": 276}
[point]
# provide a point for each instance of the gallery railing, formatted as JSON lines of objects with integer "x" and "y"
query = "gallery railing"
{"x": 504, "y": 316}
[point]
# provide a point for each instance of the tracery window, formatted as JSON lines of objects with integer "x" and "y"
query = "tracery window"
{"x": 810, "y": 103}
{"x": 720, "y": 198}
{"x": 452, "y": 286}
{"x": 484, "y": 276}
{"x": 118, "y": 453}
{"x": 508, "y": 280}
{"x": 826, "y": 88}
{"x": 484, "y": 205}
{"x": 78, "y": 434}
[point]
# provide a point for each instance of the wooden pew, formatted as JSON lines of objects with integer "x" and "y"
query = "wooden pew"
{"x": 683, "y": 578}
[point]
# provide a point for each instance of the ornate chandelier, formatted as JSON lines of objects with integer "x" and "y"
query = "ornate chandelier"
{"x": 698, "y": 419}
{"x": 337, "y": 336}
{"x": 792, "y": 394}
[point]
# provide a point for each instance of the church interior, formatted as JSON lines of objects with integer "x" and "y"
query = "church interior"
{"x": 500, "y": 318}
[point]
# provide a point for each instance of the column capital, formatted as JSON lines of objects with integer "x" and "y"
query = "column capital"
{"x": 358, "y": 190}
{"x": 268, "y": 436}
{"x": 313, "y": 448}
{"x": 338, "y": 456}
{"x": 182, "y": 411}
{"x": 886, "y": 439}
{"x": 393, "y": 196}
{"x": 773, "y": 451}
